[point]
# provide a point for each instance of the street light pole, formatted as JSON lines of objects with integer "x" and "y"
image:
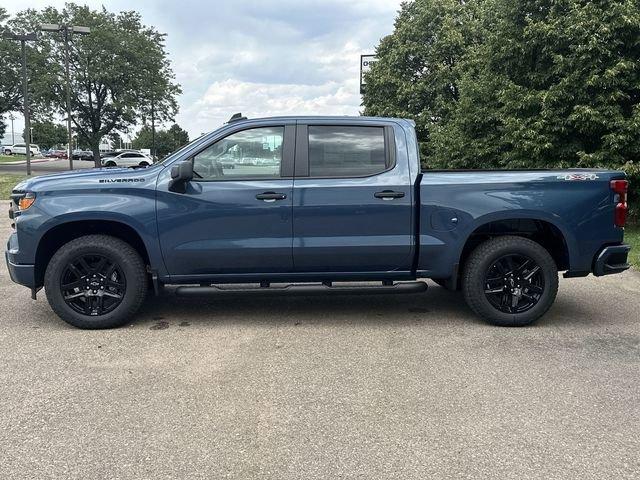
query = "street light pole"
{"x": 13, "y": 138}
{"x": 68, "y": 82}
{"x": 27, "y": 120}
{"x": 23, "y": 39}
{"x": 67, "y": 31}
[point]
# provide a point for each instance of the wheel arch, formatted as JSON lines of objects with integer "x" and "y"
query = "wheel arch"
{"x": 541, "y": 230}
{"x": 544, "y": 231}
{"x": 62, "y": 233}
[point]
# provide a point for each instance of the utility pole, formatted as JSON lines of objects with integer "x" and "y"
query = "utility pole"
{"x": 67, "y": 30}
{"x": 23, "y": 39}
{"x": 153, "y": 130}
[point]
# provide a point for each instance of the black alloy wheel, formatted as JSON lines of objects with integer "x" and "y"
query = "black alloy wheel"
{"x": 514, "y": 284}
{"x": 92, "y": 284}
{"x": 510, "y": 280}
{"x": 96, "y": 281}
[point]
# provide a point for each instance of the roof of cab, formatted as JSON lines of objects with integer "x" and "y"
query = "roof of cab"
{"x": 238, "y": 118}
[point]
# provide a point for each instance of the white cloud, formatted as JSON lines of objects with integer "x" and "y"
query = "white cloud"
{"x": 261, "y": 57}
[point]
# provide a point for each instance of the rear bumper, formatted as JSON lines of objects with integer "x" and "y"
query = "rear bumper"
{"x": 22, "y": 274}
{"x": 611, "y": 260}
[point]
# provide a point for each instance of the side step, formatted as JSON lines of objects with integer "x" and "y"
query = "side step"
{"x": 304, "y": 289}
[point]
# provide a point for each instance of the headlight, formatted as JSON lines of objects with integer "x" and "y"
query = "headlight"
{"x": 26, "y": 201}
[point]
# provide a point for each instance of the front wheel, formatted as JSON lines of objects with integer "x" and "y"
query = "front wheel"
{"x": 96, "y": 281}
{"x": 510, "y": 281}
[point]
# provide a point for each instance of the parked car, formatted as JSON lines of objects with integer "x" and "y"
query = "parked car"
{"x": 347, "y": 202}
{"x": 54, "y": 153}
{"x": 127, "y": 159}
{"x": 21, "y": 149}
{"x": 82, "y": 155}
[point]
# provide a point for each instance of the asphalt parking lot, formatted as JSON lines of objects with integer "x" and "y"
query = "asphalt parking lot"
{"x": 324, "y": 387}
{"x": 42, "y": 166}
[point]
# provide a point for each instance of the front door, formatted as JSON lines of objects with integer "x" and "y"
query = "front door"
{"x": 235, "y": 217}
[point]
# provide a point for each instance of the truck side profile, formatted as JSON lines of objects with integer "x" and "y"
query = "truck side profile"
{"x": 304, "y": 202}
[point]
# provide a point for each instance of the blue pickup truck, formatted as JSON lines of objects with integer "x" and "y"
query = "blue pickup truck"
{"x": 298, "y": 204}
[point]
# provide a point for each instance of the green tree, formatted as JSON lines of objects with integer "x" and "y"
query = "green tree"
{"x": 554, "y": 84}
{"x": 418, "y": 70}
{"x": 167, "y": 141}
{"x": 47, "y": 134}
{"x": 111, "y": 68}
{"x": 533, "y": 83}
{"x": 10, "y": 80}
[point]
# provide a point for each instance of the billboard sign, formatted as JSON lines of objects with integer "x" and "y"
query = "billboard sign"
{"x": 365, "y": 65}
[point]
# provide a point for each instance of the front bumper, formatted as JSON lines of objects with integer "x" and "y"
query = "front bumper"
{"x": 611, "y": 260}
{"x": 22, "y": 274}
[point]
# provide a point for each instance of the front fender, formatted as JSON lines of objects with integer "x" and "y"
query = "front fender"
{"x": 134, "y": 208}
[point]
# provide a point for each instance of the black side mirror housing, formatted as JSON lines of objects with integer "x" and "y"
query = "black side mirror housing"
{"x": 181, "y": 174}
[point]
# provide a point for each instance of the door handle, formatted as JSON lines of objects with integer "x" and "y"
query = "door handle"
{"x": 271, "y": 196}
{"x": 388, "y": 195}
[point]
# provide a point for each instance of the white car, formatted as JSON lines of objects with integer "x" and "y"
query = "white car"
{"x": 21, "y": 149}
{"x": 127, "y": 159}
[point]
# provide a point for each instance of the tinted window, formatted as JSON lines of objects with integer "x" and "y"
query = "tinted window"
{"x": 254, "y": 153}
{"x": 346, "y": 151}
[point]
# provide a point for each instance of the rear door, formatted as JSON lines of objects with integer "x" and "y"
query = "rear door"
{"x": 352, "y": 198}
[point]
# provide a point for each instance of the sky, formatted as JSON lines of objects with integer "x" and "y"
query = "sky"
{"x": 259, "y": 57}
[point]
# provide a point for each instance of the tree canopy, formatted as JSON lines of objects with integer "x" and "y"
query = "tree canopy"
{"x": 115, "y": 70}
{"x": 167, "y": 141}
{"x": 515, "y": 83}
{"x": 47, "y": 134}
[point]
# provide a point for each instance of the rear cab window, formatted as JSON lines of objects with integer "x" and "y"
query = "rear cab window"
{"x": 344, "y": 151}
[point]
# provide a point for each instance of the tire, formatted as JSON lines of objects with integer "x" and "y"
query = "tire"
{"x": 487, "y": 281}
{"x": 143, "y": 164}
{"x": 120, "y": 303}
{"x": 110, "y": 164}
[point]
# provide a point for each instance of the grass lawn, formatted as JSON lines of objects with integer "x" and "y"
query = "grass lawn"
{"x": 7, "y": 182}
{"x": 632, "y": 237}
{"x": 17, "y": 158}
{"x": 11, "y": 158}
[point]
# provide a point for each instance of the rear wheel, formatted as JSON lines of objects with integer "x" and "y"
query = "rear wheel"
{"x": 510, "y": 281}
{"x": 96, "y": 281}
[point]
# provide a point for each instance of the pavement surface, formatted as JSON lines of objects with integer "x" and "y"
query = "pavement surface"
{"x": 371, "y": 387}
{"x": 43, "y": 166}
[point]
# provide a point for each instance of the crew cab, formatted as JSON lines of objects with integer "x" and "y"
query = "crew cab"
{"x": 295, "y": 204}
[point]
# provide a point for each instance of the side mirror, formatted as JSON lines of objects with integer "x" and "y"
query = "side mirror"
{"x": 181, "y": 174}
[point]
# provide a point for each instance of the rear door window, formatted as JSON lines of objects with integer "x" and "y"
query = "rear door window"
{"x": 347, "y": 151}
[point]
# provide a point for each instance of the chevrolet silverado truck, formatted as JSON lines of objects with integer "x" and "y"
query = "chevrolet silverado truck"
{"x": 301, "y": 205}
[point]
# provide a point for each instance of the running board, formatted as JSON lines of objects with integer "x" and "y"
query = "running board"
{"x": 304, "y": 289}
